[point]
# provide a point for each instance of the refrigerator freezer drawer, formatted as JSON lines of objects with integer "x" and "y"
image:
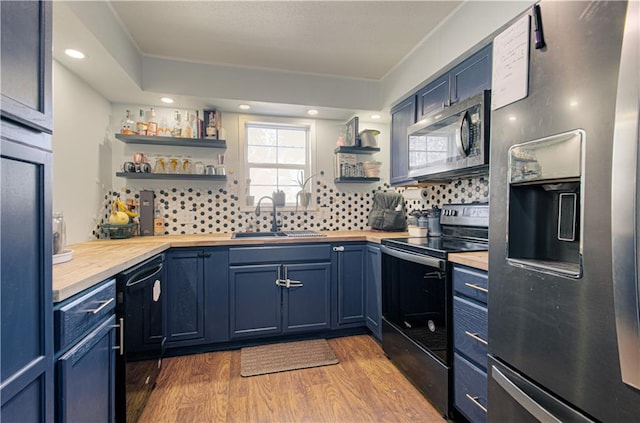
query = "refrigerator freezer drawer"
{"x": 517, "y": 399}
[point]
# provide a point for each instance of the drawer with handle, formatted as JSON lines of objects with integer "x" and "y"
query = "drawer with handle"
{"x": 470, "y": 390}
{"x": 471, "y": 282}
{"x": 75, "y": 316}
{"x": 470, "y": 329}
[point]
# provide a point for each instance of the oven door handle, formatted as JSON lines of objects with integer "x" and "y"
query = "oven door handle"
{"x": 414, "y": 258}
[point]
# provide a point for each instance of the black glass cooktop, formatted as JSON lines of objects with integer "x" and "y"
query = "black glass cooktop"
{"x": 436, "y": 246}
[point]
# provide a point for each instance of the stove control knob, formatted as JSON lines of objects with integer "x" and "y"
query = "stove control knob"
{"x": 454, "y": 212}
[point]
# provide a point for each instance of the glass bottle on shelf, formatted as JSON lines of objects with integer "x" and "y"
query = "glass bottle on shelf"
{"x": 141, "y": 124}
{"x": 186, "y": 125}
{"x": 152, "y": 125}
{"x": 212, "y": 129}
{"x": 176, "y": 129}
{"x": 196, "y": 123}
{"x": 163, "y": 128}
{"x": 127, "y": 125}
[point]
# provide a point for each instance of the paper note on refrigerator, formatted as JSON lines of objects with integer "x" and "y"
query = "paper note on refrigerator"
{"x": 510, "y": 79}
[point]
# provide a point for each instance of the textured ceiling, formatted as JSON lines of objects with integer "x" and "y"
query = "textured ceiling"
{"x": 359, "y": 39}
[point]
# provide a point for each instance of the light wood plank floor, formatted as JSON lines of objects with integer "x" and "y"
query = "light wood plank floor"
{"x": 363, "y": 387}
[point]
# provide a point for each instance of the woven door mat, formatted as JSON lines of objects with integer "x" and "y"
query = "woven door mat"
{"x": 285, "y": 356}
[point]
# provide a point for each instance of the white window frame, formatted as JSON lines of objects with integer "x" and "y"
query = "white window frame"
{"x": 309, "y": 167}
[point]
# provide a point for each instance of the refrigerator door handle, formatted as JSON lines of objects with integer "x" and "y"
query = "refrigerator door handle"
{"x": 624, "y": 203}
{"x": 528, "y": 403}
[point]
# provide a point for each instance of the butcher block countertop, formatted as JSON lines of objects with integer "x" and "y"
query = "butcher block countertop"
{"x": 96, "y": 261}
{"x": 477, "y": 259}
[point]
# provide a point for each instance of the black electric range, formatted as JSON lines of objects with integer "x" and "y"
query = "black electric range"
{"x": 465, "y": 228}
{"x": 417, "y": 299}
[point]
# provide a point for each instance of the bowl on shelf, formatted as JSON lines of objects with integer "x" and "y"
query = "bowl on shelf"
{"x": 372, "y": 173}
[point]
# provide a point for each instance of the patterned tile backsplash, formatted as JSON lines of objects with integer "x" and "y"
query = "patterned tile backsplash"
{"x": 194, "y": 211}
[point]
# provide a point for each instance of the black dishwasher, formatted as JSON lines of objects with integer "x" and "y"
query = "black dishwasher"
{"x": 140, "y": 311}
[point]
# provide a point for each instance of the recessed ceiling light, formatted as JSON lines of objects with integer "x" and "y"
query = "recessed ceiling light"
{"x": 376, "y": 116}
{"x": 512, "y": 118}
{"x": 166, "y": 100}
{"x": 244, "y": 106}
{"x": 312, "y": 112}
{"x": 76, "y": 54}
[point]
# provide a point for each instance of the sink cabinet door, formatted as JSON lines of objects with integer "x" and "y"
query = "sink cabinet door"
{"x": 308, "y": 307}
{"x": 254, "y": 305}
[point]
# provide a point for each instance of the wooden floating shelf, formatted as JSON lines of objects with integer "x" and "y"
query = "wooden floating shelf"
{"x": 186, "y": 176}
{"x": 356, "y": 150}
{"x": 180, "y": 142}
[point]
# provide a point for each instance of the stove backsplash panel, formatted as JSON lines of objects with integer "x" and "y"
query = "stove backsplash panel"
{"x": 196, "y": 211}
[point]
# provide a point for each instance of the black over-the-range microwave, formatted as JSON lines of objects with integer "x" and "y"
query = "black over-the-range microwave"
{"x": 453, "y": 142}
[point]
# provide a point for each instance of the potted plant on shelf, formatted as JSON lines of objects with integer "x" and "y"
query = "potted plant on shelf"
{"x": 303, "y": 197}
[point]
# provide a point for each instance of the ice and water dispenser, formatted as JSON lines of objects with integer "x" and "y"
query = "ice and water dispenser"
{"x": 545, "y": 178}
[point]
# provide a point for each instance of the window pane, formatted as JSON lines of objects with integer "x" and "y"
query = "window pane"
{"x": 263, "y": 177}
{"x": 288, "y": 155}
{"x": 292, "y": 138}
{"x": 270, "y": 146}
{"x": 262, "y": 154}
{"x": 261, "y": 136}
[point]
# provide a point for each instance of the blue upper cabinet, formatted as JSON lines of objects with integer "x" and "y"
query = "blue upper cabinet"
{"x": 435, "y": 96}
{"x": 402, "y": 116}
{"x": 471, "y": 76}
{"x": 25, "y": 64}
{"x": 464, "y": 80}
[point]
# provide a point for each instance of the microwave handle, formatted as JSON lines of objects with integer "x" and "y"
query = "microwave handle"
{"x": 463, "y": 130}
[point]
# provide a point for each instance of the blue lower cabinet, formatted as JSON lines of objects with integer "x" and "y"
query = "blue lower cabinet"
{"x": 348, "y": 263}
{"x": 470, "y": 384}
{"x": 373, "y": 290}
{"x": 86, "y": 378}
{"x": 85, "y": 355}
{"x": 307, "y": 307}
{"x": 275, "y": 299}
{"x": 470, "y": 342}
{"x": 254, "y": 301}
{"x": 197, "y": 293}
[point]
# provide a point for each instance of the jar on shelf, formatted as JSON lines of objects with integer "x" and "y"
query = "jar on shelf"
{"x": 59, "y": 233}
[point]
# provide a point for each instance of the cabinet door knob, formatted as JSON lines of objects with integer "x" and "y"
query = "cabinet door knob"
{"x": 338, "y": 248}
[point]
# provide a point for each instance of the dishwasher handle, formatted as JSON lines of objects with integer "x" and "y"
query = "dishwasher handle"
{"x": 143, "y": 275}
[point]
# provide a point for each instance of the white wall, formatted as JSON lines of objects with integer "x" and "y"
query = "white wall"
{"x": 469, "y": 25}
{"x": 81, "y": 153}
{"x": 326, "y": 131}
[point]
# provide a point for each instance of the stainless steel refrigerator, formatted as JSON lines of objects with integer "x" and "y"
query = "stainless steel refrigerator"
{"x": 564, "y": 321}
